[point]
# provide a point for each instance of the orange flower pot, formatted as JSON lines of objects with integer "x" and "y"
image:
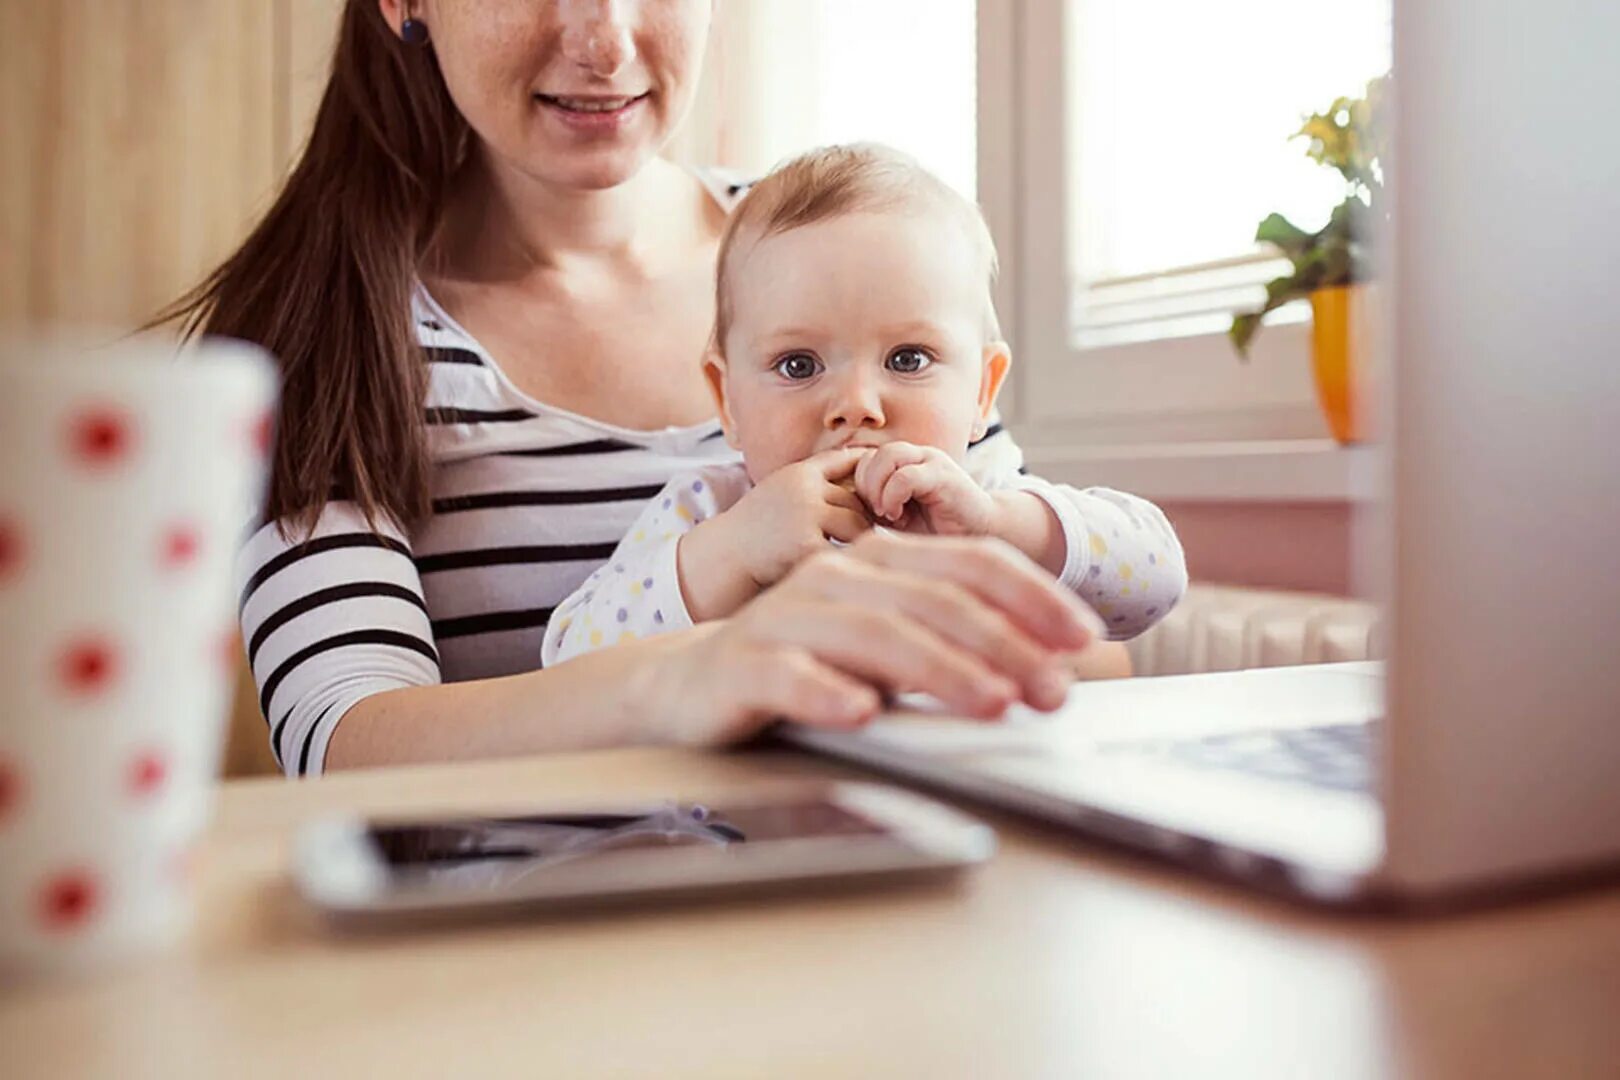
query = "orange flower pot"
{"x": 1339, "y": 344}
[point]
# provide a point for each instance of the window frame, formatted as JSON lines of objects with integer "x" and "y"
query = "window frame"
{"x": 1166, "y": 390}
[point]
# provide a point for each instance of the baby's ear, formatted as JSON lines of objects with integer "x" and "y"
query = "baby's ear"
{"x": 997, "y": 359}
{"x": 714, "y": 372}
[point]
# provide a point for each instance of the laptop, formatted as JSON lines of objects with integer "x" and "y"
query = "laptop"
{"x": 1486, "y": 755}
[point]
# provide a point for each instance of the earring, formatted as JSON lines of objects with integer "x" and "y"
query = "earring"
{"x": 413, "y": 31}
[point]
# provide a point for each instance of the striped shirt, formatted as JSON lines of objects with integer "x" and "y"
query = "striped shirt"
{"x": 527, "y": 501}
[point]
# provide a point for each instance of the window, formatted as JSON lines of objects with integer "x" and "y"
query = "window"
{"x": 901, "y": 73}
{"x": 787, "y": 75}
{"x": 1177, "y": 115}
{"x": 1148, "y": 138}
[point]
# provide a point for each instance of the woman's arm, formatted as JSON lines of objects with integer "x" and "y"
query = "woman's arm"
{"x": 972, "y": 620}
{"x": 329, "y": 621}
{"x": 592, "y": 702}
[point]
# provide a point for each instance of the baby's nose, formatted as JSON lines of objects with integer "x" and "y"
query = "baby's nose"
{"x": 856, "y": 403}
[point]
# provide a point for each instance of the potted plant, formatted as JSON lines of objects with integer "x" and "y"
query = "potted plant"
{"x": 1332, "y": 265}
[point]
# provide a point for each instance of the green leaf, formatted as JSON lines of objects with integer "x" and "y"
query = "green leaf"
{"x": 1242, "y": 332}
{"x": 1279, "y": 291}
{"x": 1278, "y": 230}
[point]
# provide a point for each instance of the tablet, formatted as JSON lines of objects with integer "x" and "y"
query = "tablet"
{"x": 357, "y": 870}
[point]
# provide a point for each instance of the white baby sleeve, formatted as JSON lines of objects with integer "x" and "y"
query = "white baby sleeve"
{"x": 637, "y": 592}
{"x": 1121, "y": 555}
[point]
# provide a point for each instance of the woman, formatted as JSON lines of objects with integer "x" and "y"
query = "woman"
{"x": 488, "y": 297}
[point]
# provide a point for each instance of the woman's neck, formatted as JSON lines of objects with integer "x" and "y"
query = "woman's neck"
{"x": 503, "y": 226}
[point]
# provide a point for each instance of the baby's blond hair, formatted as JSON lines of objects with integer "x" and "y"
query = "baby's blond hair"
{"x": 832, "y": 181}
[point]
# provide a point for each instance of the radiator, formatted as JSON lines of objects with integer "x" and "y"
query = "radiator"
{"x": 1224, "y": 628}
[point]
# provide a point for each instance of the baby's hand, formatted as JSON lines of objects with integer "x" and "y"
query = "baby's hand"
{"x": 792, "y": 513}
{"x": 922, "y": 489}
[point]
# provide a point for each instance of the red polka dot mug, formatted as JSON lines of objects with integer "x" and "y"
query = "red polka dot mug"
{"x": 127, "y": 476}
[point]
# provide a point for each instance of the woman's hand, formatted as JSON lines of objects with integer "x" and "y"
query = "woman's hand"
{"x": 970, "y": 621}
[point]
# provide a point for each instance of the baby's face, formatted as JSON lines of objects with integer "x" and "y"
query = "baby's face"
{"x": 856, "y": 331}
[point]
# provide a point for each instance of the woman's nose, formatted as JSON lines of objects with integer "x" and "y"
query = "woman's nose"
{"x": 597, "y": 34}
{"x": 856, "y": 403}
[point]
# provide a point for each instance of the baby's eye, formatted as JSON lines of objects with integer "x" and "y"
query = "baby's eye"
{"x": 797, "y": 367}
{"x": 909, "y": 361}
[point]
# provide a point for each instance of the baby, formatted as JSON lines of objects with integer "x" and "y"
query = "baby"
{"x": 855, "y": 362}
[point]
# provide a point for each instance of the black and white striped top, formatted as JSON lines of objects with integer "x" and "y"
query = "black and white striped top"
{"x": 528, "y": 500}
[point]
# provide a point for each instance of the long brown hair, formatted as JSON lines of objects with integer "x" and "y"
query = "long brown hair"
{"x": 324, "y": 281}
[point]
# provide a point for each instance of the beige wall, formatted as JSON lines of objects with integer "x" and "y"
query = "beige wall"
{"x": 138, "y": 141}
{"x": 1273, "y": 545}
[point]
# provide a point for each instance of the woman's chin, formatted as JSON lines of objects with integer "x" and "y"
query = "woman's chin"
{"x": 594, "y": 169}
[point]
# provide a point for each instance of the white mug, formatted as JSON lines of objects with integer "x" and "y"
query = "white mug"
{"x": 127, "y": 477}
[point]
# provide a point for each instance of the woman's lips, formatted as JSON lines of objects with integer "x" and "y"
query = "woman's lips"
{"x": 594, "y": 114}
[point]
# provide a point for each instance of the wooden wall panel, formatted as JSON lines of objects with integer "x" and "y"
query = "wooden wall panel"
{"x": 311, "y": 31}
{"x": 137, "y": 145}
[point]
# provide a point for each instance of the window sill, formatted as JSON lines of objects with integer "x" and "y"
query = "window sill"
{"x": 1292, "y": 470}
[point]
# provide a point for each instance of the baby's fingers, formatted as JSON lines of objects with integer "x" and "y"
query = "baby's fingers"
{"x": 873, "y": 473}
{"x": 912, "y": 482}
{"x": 841, "y": 464}
{"x": 844, "y": 524}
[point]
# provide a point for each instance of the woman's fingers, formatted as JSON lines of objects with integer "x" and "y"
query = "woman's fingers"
{"x": 877, "y": 645}
{"x": 971, "y": 621}
{"x": 957, "y": 615}
{"x": 790, "y": 682}
{"x": 724, "y": 680}
{"x": 890, "y": 650}
{"x": 996, "y": 574}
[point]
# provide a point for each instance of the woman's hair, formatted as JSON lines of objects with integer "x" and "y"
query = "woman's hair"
{"x": 324, "y": 281}
{"x": 830, "y": 182}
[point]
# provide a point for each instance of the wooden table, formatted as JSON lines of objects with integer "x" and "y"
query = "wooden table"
{"x": 1058, "y": 959}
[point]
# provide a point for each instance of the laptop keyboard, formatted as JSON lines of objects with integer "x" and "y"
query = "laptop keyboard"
{"x": 1332, "y": 755}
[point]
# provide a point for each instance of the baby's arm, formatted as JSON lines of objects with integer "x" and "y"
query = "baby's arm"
{"x": 637, "y": 592}
{"x": 1118, "y": 552}
{"x": 1121, "y": 555}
